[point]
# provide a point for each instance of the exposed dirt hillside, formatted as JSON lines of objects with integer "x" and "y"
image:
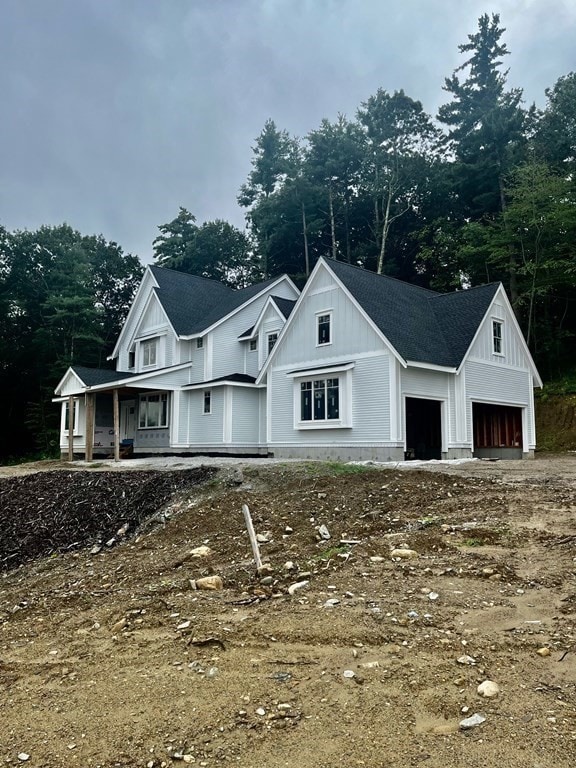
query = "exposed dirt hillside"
{"x": 109, "y": 657}
{"x": 556, "y": 423}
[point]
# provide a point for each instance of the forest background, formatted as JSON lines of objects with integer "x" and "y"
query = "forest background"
{"x": 483, "y": 191}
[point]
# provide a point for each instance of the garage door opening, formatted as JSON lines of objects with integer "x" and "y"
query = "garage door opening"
{"x": 423, "y": 429}
{"x": 497, "y": 431}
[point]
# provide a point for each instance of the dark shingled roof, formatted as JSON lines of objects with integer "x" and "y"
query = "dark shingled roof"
{"x": 91, "y": 377}
{"x": 422, "y": 325}
{"x": 284, "y": 305}
{"x": 195, "y": 303}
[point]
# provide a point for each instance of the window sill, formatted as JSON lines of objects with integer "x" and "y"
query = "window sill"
{"x": 143, "y": 429}
{"x": 332, "y": 424}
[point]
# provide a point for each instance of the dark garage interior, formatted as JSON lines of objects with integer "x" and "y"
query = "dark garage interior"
{"x": 497, "y": 431}
{"x": 423, "y": 429}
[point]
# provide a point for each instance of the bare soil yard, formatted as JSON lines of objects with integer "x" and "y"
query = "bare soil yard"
{"x": 109, "y": 657}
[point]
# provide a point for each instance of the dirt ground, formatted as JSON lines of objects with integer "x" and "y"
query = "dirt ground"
{"x": 109, "y": 657}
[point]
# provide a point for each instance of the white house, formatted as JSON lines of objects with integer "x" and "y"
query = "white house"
{"x": 357, "y": 366}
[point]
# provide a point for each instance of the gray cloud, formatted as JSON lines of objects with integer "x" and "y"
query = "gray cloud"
{"x": 115, "y": 112}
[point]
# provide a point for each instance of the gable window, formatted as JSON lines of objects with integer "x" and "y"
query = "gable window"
{"x": 153, "y": 411}
{"x": 131, "y": 358}
{"x": 253, "y": 345}
{"x": 272, "y": 339}
{"x": 208, "y": 401}
{"x": 497, "y": 346}
{"x": 324, "y": 329}
{"x": 149, "y": 352}
{"x": 199, "y": 343}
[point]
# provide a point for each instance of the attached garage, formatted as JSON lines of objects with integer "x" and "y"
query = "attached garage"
{"x": 423, "y": 429}
{"x": 497, "y": 431}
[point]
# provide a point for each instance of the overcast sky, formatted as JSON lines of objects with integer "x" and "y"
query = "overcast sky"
{"x": 116, "y": 112}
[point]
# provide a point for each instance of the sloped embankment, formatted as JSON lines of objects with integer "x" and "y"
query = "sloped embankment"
{"x": 556, "y": 423}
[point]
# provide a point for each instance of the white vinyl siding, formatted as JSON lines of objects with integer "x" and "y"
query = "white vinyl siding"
{"x": 245, "y": 415}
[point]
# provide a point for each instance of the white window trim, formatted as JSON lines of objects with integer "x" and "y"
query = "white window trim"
{"x": 330, "y": 314}
{"x": 492, "y": 337}
{"x": 344, "y": 375}
{"x": 65, "y": 431}
{"x": 271, "y": 333}
{"x": 148, "y": 342}
{"x": 158, "y": 426}
{"x": 204, "y": 411}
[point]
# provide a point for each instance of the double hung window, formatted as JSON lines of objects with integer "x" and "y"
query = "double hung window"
{"x": 497, "y": 341}
{"x": 324, "y": 329}
{"x": 149, "y": 352}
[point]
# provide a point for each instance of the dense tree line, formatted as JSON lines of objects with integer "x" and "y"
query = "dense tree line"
{"x": 483, "y": 191}
{"x": 63, "y": 298}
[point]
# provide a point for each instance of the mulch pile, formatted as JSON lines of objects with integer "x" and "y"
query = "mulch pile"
{"x": 58, "y": 511}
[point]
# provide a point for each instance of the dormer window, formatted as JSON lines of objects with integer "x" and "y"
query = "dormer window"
{"x": 132, "y": 358}
{"x": 199, "y": 343}
{"x": 149, "y": 353}
{"x": 253, "y": 345}
{"x": 497, "y": 343}
{"x": 323, "y": 329}
{"x": 272, "y": 339}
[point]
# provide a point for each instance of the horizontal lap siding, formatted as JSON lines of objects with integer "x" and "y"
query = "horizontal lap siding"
{"x": 497, "y": 384}
{"x": 370, "y": 408}
{"x": 245, "y": 415}
{"x": 418, "y": 381}
{"x": 206, "y": 428}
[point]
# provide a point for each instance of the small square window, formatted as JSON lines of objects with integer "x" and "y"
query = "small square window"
{"x": 199, "y": 343}
{"x": 497, "y": 346}
{"x": 131, "y": 358}
{"x": 324, "y": 335}
{"x": 208, "y": 401}
{"x": 253, "y": 345}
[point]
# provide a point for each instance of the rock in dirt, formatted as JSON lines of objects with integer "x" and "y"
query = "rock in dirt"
{"x": 403, "y": 554}
{"x": 202, "y": 551}
{"x": 472, "y": 721}
{"x": 488, "y": 689}
{"x": 324, "y": 532}
{"x": 210, "y": 583}
{"x": 543, "y": 652}
{"x": 467, "y": 660}
{"x": 297, "y": 585}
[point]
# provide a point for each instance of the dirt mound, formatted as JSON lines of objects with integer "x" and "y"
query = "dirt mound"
{"x": 111, "y": 658}
{"x": 49, "y": 512}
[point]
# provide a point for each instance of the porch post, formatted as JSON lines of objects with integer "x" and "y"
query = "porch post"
{"x": 116, "y": 425}
{"x": 71, "y": 411}
{"x": 89, "y": 453}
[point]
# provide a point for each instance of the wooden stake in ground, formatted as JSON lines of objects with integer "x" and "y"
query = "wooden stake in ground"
{"x": 253, "y": 541}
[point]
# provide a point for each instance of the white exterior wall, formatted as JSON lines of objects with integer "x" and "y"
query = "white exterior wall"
{"x": 245, "y": 415}
{"x": 429, "y": 385}
{"x": 228, "y": 354}
{"x": 504, "y": 379}
{"x": 368, "y": 383}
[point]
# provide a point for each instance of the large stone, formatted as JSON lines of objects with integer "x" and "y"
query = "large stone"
{"x": 489, "y": 689}
{"x": 211, "y": 583}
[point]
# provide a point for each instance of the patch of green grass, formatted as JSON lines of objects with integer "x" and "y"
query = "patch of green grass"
{"x": 330, "y": 552}
{"x": 339, "y": 468}
{"x": 473, "y": 542}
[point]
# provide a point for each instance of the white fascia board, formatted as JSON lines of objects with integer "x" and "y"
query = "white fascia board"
{"x": 431, "y": 366}
{"x": 390, "y": 347}
{"x": 502, "y": 294}
{"x": 141, "y": 377}
{"x": 281, "y": 279}
{"x": 323, "y": 264}
{"x": 151, "y": 333}
{"x": 269, "y": 302}
{"x": 288, "y": 323}
{"x": 63, "y": 379}
{"x": 145, "y": 277}
{"x": 326, "y": 370}
{"x": 213, "y": 384}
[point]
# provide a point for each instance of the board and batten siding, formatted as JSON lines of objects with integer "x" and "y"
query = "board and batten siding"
{"x": 133, "y": 320}
{"x": 351, "y": 334}
{"x": 245, "y": 415}
{"x": 228, "y": 351}
{"x": 513, "y": 351}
